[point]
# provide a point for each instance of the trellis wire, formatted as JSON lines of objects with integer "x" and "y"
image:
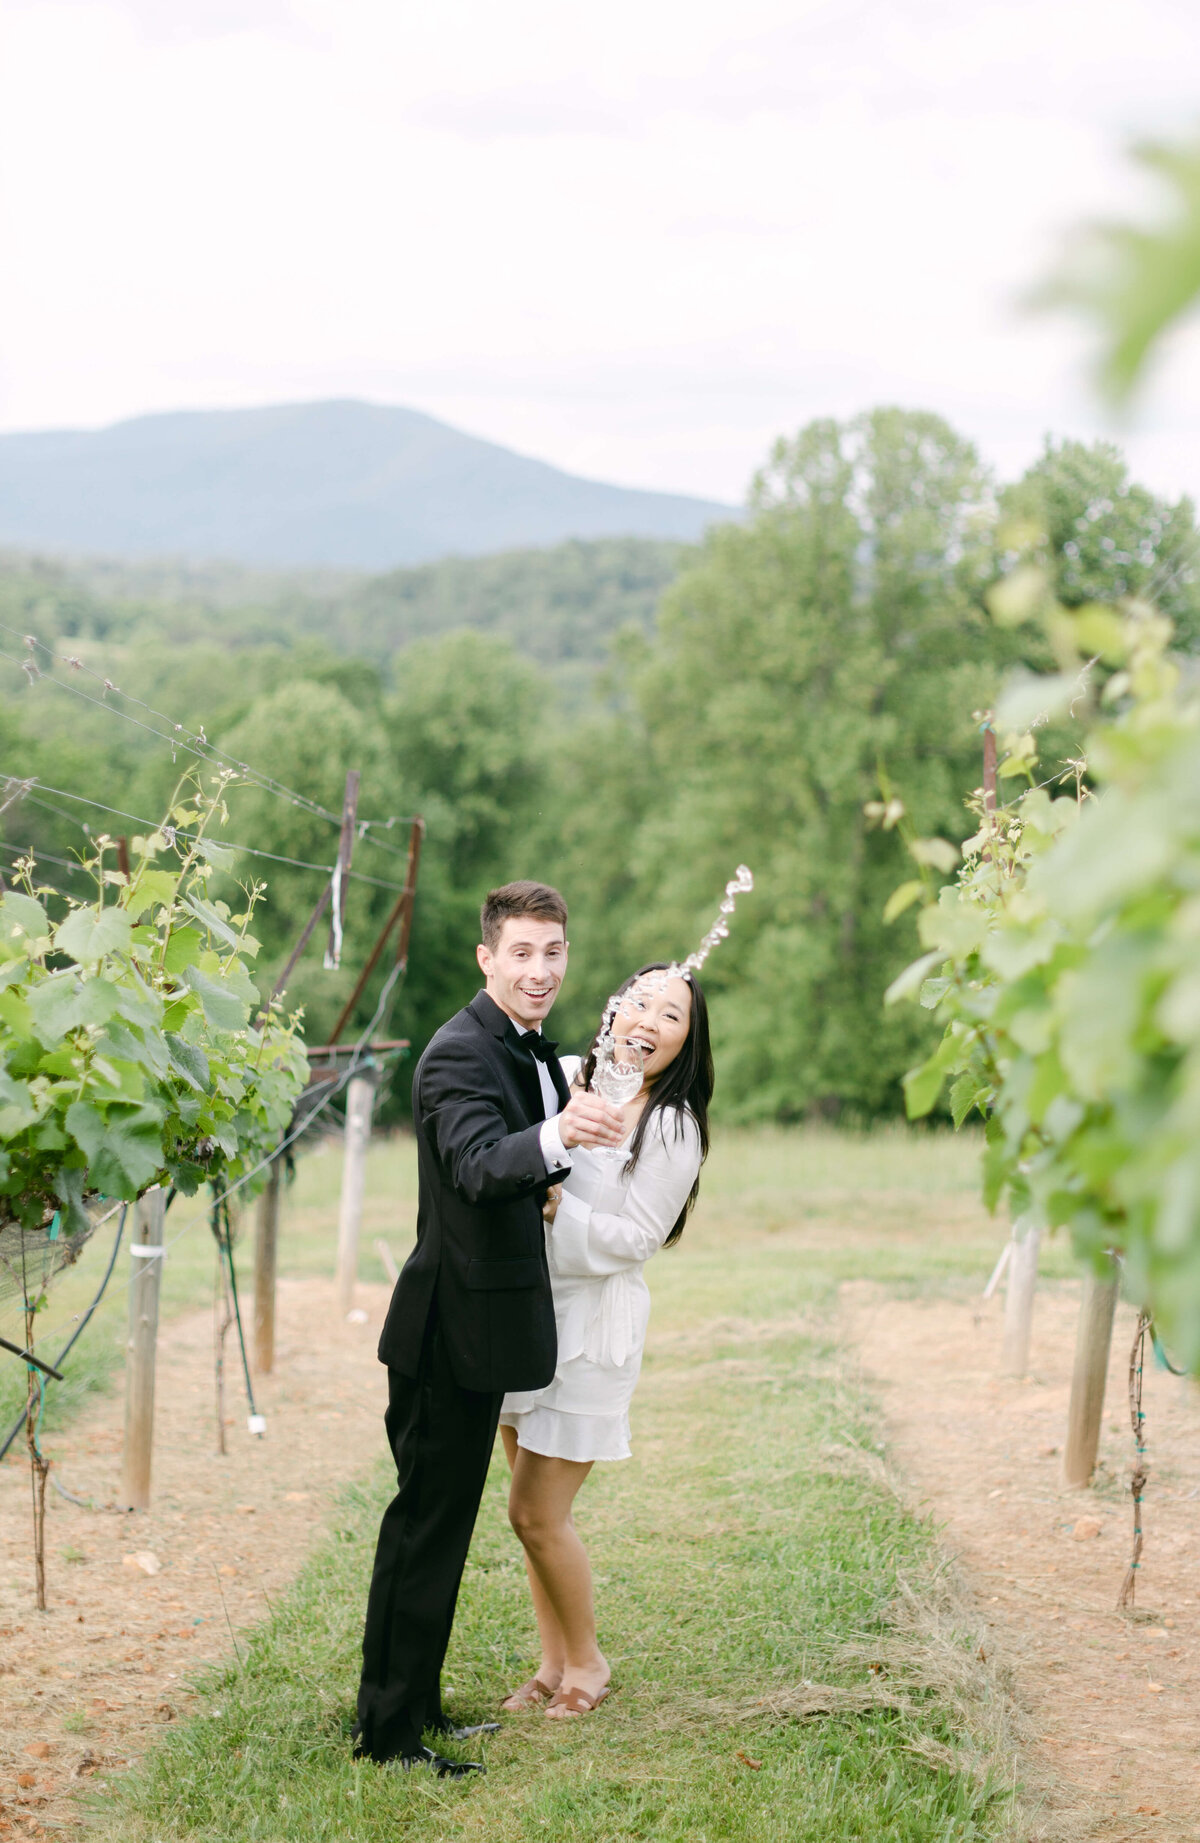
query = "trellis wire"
{"x": 153, "y": 825}
{"x": 178, "y": 736}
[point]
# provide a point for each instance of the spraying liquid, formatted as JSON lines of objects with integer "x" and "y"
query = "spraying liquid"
{"x": 741, "y": 881}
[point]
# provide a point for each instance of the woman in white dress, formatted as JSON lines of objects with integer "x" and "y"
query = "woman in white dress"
{"x": 614, "y": 1213}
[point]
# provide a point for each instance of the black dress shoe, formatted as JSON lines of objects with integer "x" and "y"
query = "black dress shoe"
{"x": 437, "y": 1763}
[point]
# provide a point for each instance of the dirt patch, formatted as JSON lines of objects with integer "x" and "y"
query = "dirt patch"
{"x": 85, "y": 1686}
{"x": 1115, "y": 1698}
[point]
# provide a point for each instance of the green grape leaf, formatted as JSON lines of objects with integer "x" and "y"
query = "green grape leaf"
{"x": 130, "y": 1046}
{"x": 70, "y": 1185}
{"x": 123, "y": 1146}
{"x": 65, "y": 1003}
{"x": 189, "y": 1061}
{"x": 150, "y": 887}
{"x": 995, "y": 1174}
{"x": 921, "y": 1089}
{"x": 1049, "y": 1081}
{"x": 14, "y": 1011}
{"x": 937, "y": 852}
{"x": 909, "y": 982}
{"x": 954, "y": 926}
{"x": 223, "y": 1009}
{"x": 966, "y": 1090}
{"x": 88, "y": 935}
{"x": 221, "y": 857}
{"x": 902, "y": 899}
{"x": 215, "y": 923}
{"x": 183, "y": 950}
{"x": 17, "y": 1106}
{"x": 137, "y": 1004}
{"x": 23, "y": 919}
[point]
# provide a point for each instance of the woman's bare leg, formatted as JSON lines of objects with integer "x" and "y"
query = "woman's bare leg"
{"x": 539, "y": 1509}
{"x": 554, "y": 1645}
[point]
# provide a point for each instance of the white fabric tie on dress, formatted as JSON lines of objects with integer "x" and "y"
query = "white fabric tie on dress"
{"x": 611, "y": 1335}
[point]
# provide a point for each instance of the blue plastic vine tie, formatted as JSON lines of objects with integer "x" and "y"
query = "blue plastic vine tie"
{"x": 55, "y": 1226}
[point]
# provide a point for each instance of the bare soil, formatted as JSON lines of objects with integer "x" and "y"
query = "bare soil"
{"x": 1114, "y": 1696}
{"x": 85, "y": 1686}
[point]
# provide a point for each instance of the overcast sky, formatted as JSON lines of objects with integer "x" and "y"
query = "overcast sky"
{"x": 638, "y": 238}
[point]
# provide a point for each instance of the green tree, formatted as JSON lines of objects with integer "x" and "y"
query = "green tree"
{"x": 468, "y": 727}
{"x": 307, "y": 736}
{"x": 472, "y": 740}
{"x": 840, "y": 626}
{"x": 1106, "y": 538}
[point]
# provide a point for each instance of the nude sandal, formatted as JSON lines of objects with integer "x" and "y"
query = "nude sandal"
{"x": 577, "y": 1701}
{"x": 531, "y": 1695}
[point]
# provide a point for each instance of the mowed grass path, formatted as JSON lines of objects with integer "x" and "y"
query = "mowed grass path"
{"x": 747, "y": 1551}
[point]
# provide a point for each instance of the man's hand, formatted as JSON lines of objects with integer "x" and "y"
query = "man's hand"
{"x": 587, "y": 1120}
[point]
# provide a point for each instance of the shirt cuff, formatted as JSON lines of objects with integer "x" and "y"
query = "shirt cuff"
{"x": 568, "y": 1238}
{"x": 554, "y": 1152}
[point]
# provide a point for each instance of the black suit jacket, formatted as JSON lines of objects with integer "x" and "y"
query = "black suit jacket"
{"x": 481, "y": 1246}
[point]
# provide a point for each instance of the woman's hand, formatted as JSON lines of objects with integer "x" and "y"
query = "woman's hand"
{"x": 550, "y": 1206}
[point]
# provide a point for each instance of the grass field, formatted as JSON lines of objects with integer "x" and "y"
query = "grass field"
{"x": 787, "y": 1664}
{"x": 856, "y": 1197}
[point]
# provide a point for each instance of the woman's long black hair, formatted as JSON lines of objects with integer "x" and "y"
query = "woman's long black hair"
{"x": 685, "y": 1085}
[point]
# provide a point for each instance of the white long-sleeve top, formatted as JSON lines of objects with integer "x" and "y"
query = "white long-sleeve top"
{"x": 607, "y": 1227}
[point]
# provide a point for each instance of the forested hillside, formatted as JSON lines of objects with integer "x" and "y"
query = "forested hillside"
{"x": 545, "y": 724}
{"x": 562, "y": 605}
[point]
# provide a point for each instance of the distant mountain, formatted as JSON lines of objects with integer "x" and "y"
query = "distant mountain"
{"x": 343, "y": 484}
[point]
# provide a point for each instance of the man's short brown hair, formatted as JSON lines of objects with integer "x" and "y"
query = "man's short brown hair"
{"x": 524, "y": 898}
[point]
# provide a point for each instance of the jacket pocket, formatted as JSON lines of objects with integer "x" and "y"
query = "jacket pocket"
{"x": 504, "y": 1276}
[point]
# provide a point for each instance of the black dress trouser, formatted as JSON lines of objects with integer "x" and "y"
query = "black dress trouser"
{"x": 442, "y": 1437}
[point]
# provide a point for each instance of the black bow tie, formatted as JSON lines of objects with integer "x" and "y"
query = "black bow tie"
{"x": 538, "y": 1045}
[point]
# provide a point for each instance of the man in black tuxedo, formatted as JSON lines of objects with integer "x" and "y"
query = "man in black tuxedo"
{"x": 471, "y": 1315}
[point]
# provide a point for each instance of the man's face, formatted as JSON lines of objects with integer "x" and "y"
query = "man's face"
{"x": 525, "y": 968}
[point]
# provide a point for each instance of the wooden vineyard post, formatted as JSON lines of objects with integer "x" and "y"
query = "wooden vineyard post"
{"x": 147, "y": 1255}
{"x": 266, "y": 1244}
{"x": 1018, "y": 1300}
{"x": 1092, "y": 1344}
{"x": 360, "y": 1098}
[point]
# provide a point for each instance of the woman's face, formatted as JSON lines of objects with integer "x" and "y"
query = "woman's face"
{"x": 654, "y": 1015}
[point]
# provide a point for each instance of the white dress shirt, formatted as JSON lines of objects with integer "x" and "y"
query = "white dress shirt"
{"x": 554, "y": 1152}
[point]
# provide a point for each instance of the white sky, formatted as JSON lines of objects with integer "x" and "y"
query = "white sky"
{"x": 639, "y": 238}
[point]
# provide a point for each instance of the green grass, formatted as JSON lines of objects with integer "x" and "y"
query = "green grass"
{"x": 852, "y": 1201}
{"x": 750, "y": 1550}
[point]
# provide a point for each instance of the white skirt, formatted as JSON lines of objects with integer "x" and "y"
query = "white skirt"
{"x": 556, "y": 1434}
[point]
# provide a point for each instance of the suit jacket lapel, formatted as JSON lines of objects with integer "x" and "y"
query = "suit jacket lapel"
{"x": 488, "y": 1013}
{"x": 526, "y": 1073}
{"x": 561, "y": 1085}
